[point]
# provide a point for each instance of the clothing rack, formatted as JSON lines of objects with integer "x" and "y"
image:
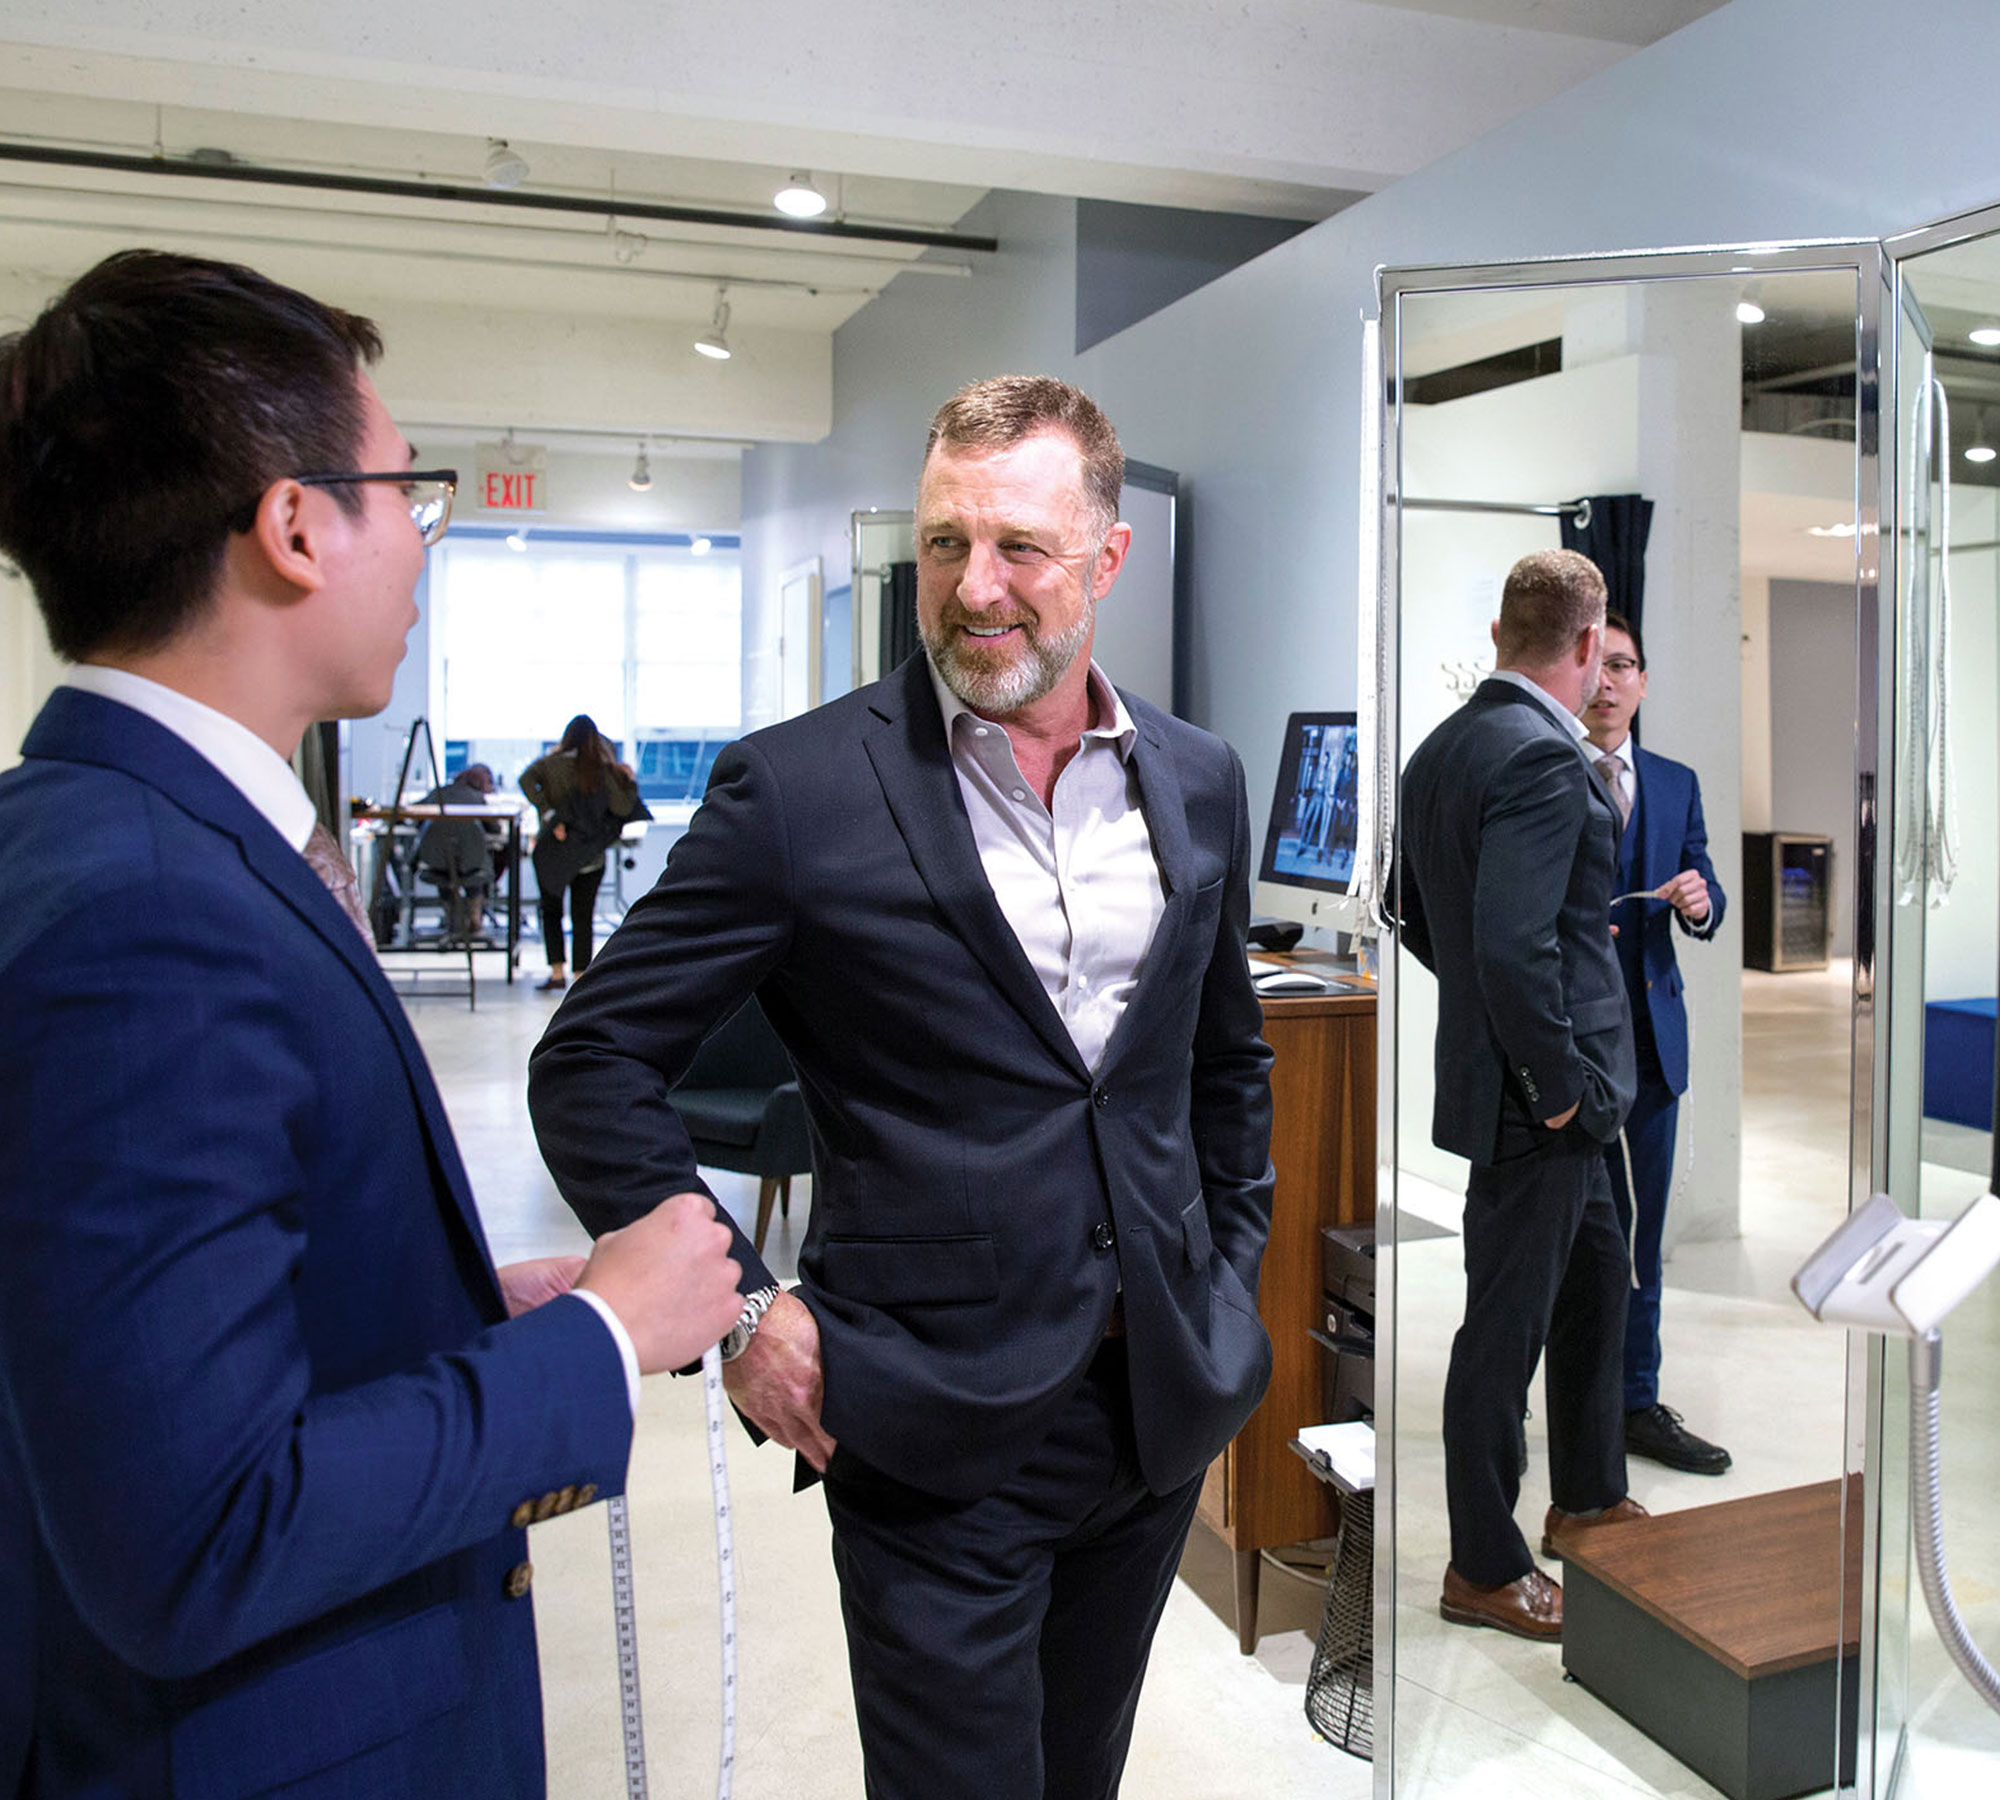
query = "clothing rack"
{"x": 1545, "y": 509}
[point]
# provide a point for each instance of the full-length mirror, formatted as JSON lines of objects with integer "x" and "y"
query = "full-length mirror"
{"x": 1932, "y": 1734}
{"x": 1702, "y": 435}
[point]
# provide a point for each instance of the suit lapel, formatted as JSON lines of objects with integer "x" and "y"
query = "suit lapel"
{"x": 913, "y": 763}
{"x": 79, "y": 727}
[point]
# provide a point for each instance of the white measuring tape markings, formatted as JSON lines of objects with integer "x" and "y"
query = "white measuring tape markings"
{"x": 630, "y": 1708}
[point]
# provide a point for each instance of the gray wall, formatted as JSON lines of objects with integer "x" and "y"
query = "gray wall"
{"x": 1813, "y": 671}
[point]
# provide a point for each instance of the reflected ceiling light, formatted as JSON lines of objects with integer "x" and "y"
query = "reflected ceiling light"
{"x": 1981, "y": 452}
{"x": 1831, "y": 531}
{"x": 799, "y": 198}
{"x": 505, "y": 167}
{"x": 641, "y": 477}
{"x": 714, "y": 342}
{"x": 1987, "y": 337}
{"x": 1748, "y": 312}
{"x": 701, "y": 546}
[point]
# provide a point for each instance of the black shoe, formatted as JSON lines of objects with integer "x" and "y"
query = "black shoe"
{"x": 1656, "y": 1433}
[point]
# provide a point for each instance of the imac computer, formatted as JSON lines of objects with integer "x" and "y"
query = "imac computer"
{"x": 1312, "y": 843}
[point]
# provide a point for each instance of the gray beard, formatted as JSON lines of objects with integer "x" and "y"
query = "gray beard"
{"x": 998, "y": 691}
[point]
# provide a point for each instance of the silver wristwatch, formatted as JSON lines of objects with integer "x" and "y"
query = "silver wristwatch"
{"x": 737, "y": 1338}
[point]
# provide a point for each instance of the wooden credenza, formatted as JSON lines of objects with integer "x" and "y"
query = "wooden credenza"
{"x": 1258, "y": 1494}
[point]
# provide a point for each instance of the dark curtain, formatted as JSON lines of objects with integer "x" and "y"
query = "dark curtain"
{"x": 1615, "y": 540}
{"x": 899, "y": 615}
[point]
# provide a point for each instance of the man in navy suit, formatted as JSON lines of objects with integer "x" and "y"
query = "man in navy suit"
{"x": 1663, "y": 855}
{"x": 271, "y": 1423}
{"x": 995, "y": 909}
{"x": 1509, "y": 847}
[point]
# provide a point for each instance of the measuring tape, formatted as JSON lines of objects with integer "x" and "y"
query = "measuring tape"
{"x": 631, "y": 1711}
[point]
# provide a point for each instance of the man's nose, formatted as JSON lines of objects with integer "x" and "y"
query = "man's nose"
{"x": 984, "y": 582}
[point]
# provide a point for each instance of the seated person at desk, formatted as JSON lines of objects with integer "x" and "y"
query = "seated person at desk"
{"x": 460, "y": 855}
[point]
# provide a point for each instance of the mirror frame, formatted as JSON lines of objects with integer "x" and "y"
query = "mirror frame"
{"x": 1877, "y": 296}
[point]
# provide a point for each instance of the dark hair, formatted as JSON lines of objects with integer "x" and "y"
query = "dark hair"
{"x": 593, "y": 751}
{"x": 142, "y": 417}
{"x": 477, "y": 775}
{"x": 1551, "y": 599}
{"x": 996, "y": 414}
{"x": 1617, "y": 621}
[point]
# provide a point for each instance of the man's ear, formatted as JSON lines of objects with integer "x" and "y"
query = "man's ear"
{"x": 289, "y": 533}
{"x": 1110, "y": 559}
{"x": 1589, "y": 644}
{"x": 1493, "y": 631}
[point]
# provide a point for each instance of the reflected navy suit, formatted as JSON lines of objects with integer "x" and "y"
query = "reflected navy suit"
{"x": 1664, "y": 835}
{"x": 264, "y": 1427}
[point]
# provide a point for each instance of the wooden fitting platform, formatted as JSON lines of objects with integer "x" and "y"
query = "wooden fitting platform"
{"x": 1721, "y": 1632}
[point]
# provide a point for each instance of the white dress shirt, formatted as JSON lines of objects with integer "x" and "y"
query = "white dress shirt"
{"x": 270, "y": 784}
{"x": 1078, "y": 882}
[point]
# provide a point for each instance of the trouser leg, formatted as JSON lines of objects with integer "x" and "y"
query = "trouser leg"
{"x": 1522, "y": 1217}
{"x": 997, "y": 1646}
{"x": 1582, "y": 1373}
{"x": 1642, "y": 1215}
{"x": 583, "y": 914}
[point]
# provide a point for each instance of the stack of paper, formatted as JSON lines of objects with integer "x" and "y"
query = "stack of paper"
{"x": 1348, "y": 1450}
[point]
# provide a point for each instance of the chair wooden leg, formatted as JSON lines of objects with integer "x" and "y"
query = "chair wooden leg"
{"x": 784, "y": 1197}
{"x": 767, "y": 1193}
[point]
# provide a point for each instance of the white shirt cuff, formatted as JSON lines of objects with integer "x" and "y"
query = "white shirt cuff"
{"x": 619, "y": 1336}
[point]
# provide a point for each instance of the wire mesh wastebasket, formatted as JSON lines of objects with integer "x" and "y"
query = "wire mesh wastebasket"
{"x": 1340, "y": 1691}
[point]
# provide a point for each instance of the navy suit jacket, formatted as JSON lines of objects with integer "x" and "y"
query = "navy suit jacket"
{"x": 971, "y": 1178}
{"x": 262, "y": 1423}
{"x": 1665, "y": 835}
{"x": 1509, "y": 846}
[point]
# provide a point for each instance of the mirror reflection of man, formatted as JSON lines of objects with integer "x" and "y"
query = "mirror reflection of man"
{"x": 1663, "y": 850}
{"x": 995, "y": 910}
{"x": 1509, "y": 849}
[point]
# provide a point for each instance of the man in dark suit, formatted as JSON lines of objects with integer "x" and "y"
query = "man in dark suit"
{"x": 1662, "y": 852}
{"x": 271, "y": 1424}
{"x": 996, "y": 912}
{"x": 1509, "y": 847}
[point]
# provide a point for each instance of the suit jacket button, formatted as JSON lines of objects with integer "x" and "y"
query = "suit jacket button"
{"x": 1100, "y": 1097}
{"x": 1102, "y": 1237}
{"x": 523, "y": 1516}
{"x": 520, "y": 1578}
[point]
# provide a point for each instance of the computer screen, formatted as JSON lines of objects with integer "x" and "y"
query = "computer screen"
{"x": 1313, "y": 837}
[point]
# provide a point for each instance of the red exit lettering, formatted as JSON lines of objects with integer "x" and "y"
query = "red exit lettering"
{"x": 509, "y": 493}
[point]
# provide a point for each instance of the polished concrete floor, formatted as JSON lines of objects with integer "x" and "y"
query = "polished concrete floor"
{"x": 1478, "y": 1715}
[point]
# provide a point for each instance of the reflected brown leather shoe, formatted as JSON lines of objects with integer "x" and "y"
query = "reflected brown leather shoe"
{"x": 1560, "y": 1528}
{"x": 1530, "y": 1608}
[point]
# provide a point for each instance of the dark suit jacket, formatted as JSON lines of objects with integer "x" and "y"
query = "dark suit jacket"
{"x": 1665, "y": 836}
{"x": 1509, "y": 850}
{"x": 964, "y": 1159}
{"x": 262, "y": 1425}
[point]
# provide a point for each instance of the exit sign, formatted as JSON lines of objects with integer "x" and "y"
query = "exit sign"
{"x": 512, "y": 478}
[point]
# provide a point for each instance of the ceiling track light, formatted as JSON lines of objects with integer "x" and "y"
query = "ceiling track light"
{"x": 641, "y": 477}
{"x": 799, "y": 198}
{"x": 505, "y": 166}
{"x": 1987, "y": 337}
{"x": 714, "y": 342}
{"x": 1748, "y": 312}
{"x": 1980, "y": 450}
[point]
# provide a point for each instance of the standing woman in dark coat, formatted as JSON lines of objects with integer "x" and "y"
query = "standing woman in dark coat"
{"x": 585, "y": 795}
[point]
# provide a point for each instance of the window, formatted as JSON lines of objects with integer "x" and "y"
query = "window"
{"x": 646, "y": 638}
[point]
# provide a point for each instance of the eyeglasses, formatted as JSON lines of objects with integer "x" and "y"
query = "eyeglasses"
{"x": 1620, "y": 666}
{"x": 428, "y": 493}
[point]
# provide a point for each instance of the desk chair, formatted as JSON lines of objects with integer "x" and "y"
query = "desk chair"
{"x": 740, "y": 1103}
{"x": 453, "y": 856}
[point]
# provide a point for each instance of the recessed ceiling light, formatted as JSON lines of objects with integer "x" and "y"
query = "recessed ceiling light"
{"x": 1980, "y": 453}
{"x": 1987, "y": 337}
{"x": 1748, "y": 312}
{"x": 701, "y": 546}
{"x": 799, "y": 197}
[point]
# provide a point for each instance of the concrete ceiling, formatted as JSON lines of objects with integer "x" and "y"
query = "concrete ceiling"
{"x": 906, "y": 113}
